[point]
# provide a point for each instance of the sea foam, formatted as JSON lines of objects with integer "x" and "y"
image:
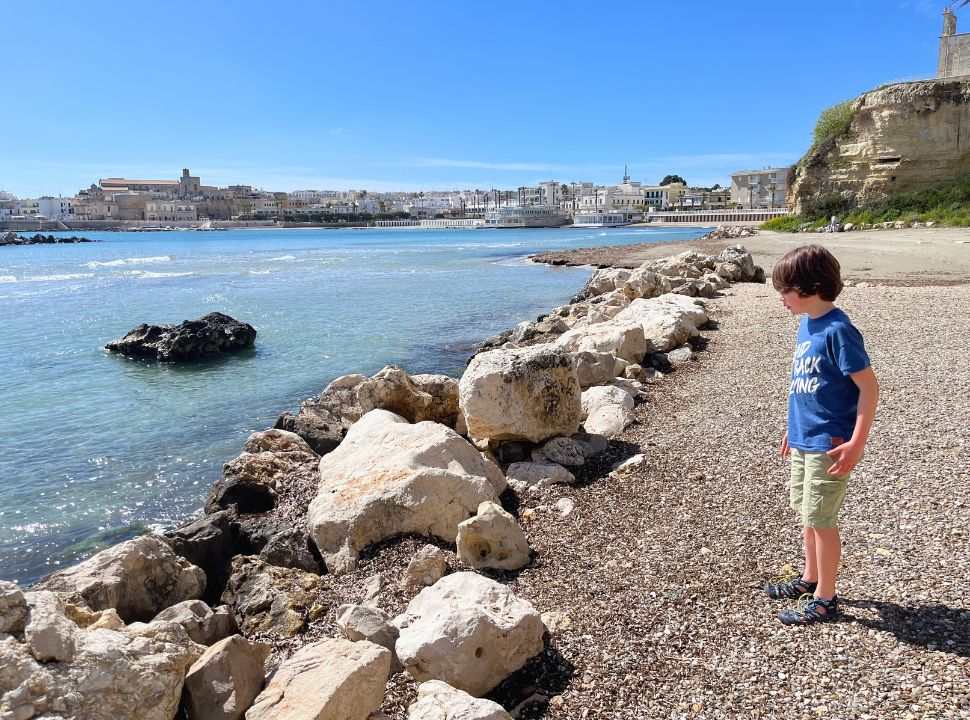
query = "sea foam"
{"x": 130, "y": 261}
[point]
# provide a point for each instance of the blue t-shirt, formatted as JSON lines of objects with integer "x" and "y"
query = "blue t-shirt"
{"x": 822, "y": 398}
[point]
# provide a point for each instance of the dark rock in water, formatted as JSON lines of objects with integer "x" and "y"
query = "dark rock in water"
{"x": 191, "y": 340}
{"x": 12, "y": 238}
{"x": 207, "y": 543}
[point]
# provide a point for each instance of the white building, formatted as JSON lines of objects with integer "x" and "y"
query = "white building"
{"x": 767, "y": 188}
{"x": 55, "y": 208}
{"x": 170, "y": 211}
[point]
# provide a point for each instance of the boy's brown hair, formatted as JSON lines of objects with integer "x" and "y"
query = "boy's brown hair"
{"x": 808, "y": 270}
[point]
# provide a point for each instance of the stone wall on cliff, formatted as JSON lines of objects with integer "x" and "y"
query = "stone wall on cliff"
{"x": 902, "y": 137}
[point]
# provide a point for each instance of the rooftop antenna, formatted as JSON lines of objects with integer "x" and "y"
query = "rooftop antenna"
{"x": 626, "y": 176}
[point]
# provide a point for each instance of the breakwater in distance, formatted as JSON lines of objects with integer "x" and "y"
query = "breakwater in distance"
{"x": 99, "y": 448}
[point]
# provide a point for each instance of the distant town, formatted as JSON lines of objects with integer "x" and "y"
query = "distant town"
{"x": 186, "y": 201}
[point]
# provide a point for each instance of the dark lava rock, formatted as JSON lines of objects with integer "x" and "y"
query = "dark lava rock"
{"x": 191, "y": 340}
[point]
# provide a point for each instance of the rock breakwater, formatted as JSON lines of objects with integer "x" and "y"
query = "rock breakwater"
{"x": 317, "y": 541}
{"x": 12, "y": 238}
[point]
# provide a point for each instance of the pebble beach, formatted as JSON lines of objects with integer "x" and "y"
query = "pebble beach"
{"x": 658, "y": 572}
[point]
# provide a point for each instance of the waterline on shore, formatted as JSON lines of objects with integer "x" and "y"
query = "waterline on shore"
{"x": 117, "y": 446}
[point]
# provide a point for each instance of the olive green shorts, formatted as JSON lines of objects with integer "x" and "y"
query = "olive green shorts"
{"x": 816, "y": 495}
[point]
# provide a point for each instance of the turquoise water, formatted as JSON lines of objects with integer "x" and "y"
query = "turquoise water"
{"x": 97, "y": 448}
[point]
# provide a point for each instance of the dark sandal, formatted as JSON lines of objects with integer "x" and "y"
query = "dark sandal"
{"x": 809, "y": 610}
{"x": 788, "y": 586}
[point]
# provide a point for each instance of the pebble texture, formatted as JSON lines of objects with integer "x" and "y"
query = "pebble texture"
{"x": 658, "y": 571}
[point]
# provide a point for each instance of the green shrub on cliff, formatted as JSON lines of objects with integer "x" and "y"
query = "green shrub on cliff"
{"x": 833, "y": 121}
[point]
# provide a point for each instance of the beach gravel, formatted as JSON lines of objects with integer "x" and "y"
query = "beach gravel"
{"x": 650, "y": 583}
{"x": 658, "y": 572}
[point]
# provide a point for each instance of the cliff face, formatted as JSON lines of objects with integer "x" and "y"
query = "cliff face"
{"x": 902, "y": 137}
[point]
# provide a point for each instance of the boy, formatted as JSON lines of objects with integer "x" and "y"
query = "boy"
{"x": 831, "y": 405}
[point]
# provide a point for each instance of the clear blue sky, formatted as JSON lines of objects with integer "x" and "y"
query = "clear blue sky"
{"x": 436, "y": 95}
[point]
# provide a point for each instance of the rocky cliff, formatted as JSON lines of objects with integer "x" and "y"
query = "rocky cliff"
{"x": 902, "y": 137}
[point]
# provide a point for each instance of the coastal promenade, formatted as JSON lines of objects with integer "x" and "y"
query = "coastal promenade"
{"x": 659, "y": 571}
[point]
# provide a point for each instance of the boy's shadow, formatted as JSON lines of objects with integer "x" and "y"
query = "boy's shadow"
{"x": 946, "y": 628}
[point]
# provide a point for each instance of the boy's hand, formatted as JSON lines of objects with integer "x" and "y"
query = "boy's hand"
{"x": 846, "y": 457}
{"x": 785, "y": 450}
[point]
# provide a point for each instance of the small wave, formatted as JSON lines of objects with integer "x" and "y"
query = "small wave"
{"x": 8, "y": 278}
{"x": 283, "y": 257}
{"x": 258, "y": 272}
{"x": 54, "y": 278}
{"x": 130, "y": 261}
{"x": 146, "y": 275}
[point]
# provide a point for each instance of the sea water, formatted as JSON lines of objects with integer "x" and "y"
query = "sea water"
{"x": 97, "y": 448}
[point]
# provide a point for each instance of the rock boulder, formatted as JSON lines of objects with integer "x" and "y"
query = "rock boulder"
{"x": 469, "y": 631}
{"x": 138, "y": 578}
{"x": 328, "y": 680}
{"x": 527, "y": 394}
{"x": 390, "y": 477}
{"x": 191, "y": 340}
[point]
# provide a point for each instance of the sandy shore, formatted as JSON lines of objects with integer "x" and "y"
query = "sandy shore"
{"x": 885, "y": 257}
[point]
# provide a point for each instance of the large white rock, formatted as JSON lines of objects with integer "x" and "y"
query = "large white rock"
{"x": 525, "y": 394}
{"x": 667, "y": 321}
{"x": 138, "y": 578}
{"x": 122, "y": 675}
{"x": 597, "y": 368}
{"x": 224, "y": 682}
{"x": 624, "y": 339}
{"x": 440, "y": 701}
{"x": 607, "y": 410}
{"x": 492, "y": 539}
{"x": 50, "y": 635}
{"x": 390, "y": 477}
{"x": 468, "y": 631}
{"x": 332, "y": 679}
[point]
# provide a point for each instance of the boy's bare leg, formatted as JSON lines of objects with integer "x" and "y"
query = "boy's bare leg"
{"x": 828, "y": 552}
{"x": 811, "y": 561}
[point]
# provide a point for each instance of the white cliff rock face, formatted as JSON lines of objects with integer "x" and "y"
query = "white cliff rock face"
{"x": 902, "y": 137}
{"x": 608, "y": 409}
{"x": 224, "y": 682}
{"x": 468, "y": 631}
{"x": 130, "y": 674}
{"x": 492, "y": 539}
{"x": 440, "y": 701}
{"x": 389, "y": 477}
{"x": 524, "y": 394}
{"x": 329, "y": 680}
{"x": 138, "y": 578}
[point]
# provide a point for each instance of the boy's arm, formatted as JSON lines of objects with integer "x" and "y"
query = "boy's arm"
{"x": 848, "y": 455}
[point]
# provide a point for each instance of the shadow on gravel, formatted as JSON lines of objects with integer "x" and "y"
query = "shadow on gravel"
{"x": 600, "y": 465}
{"x": 530, "y": 689}
{"x": 944, "y": 628}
